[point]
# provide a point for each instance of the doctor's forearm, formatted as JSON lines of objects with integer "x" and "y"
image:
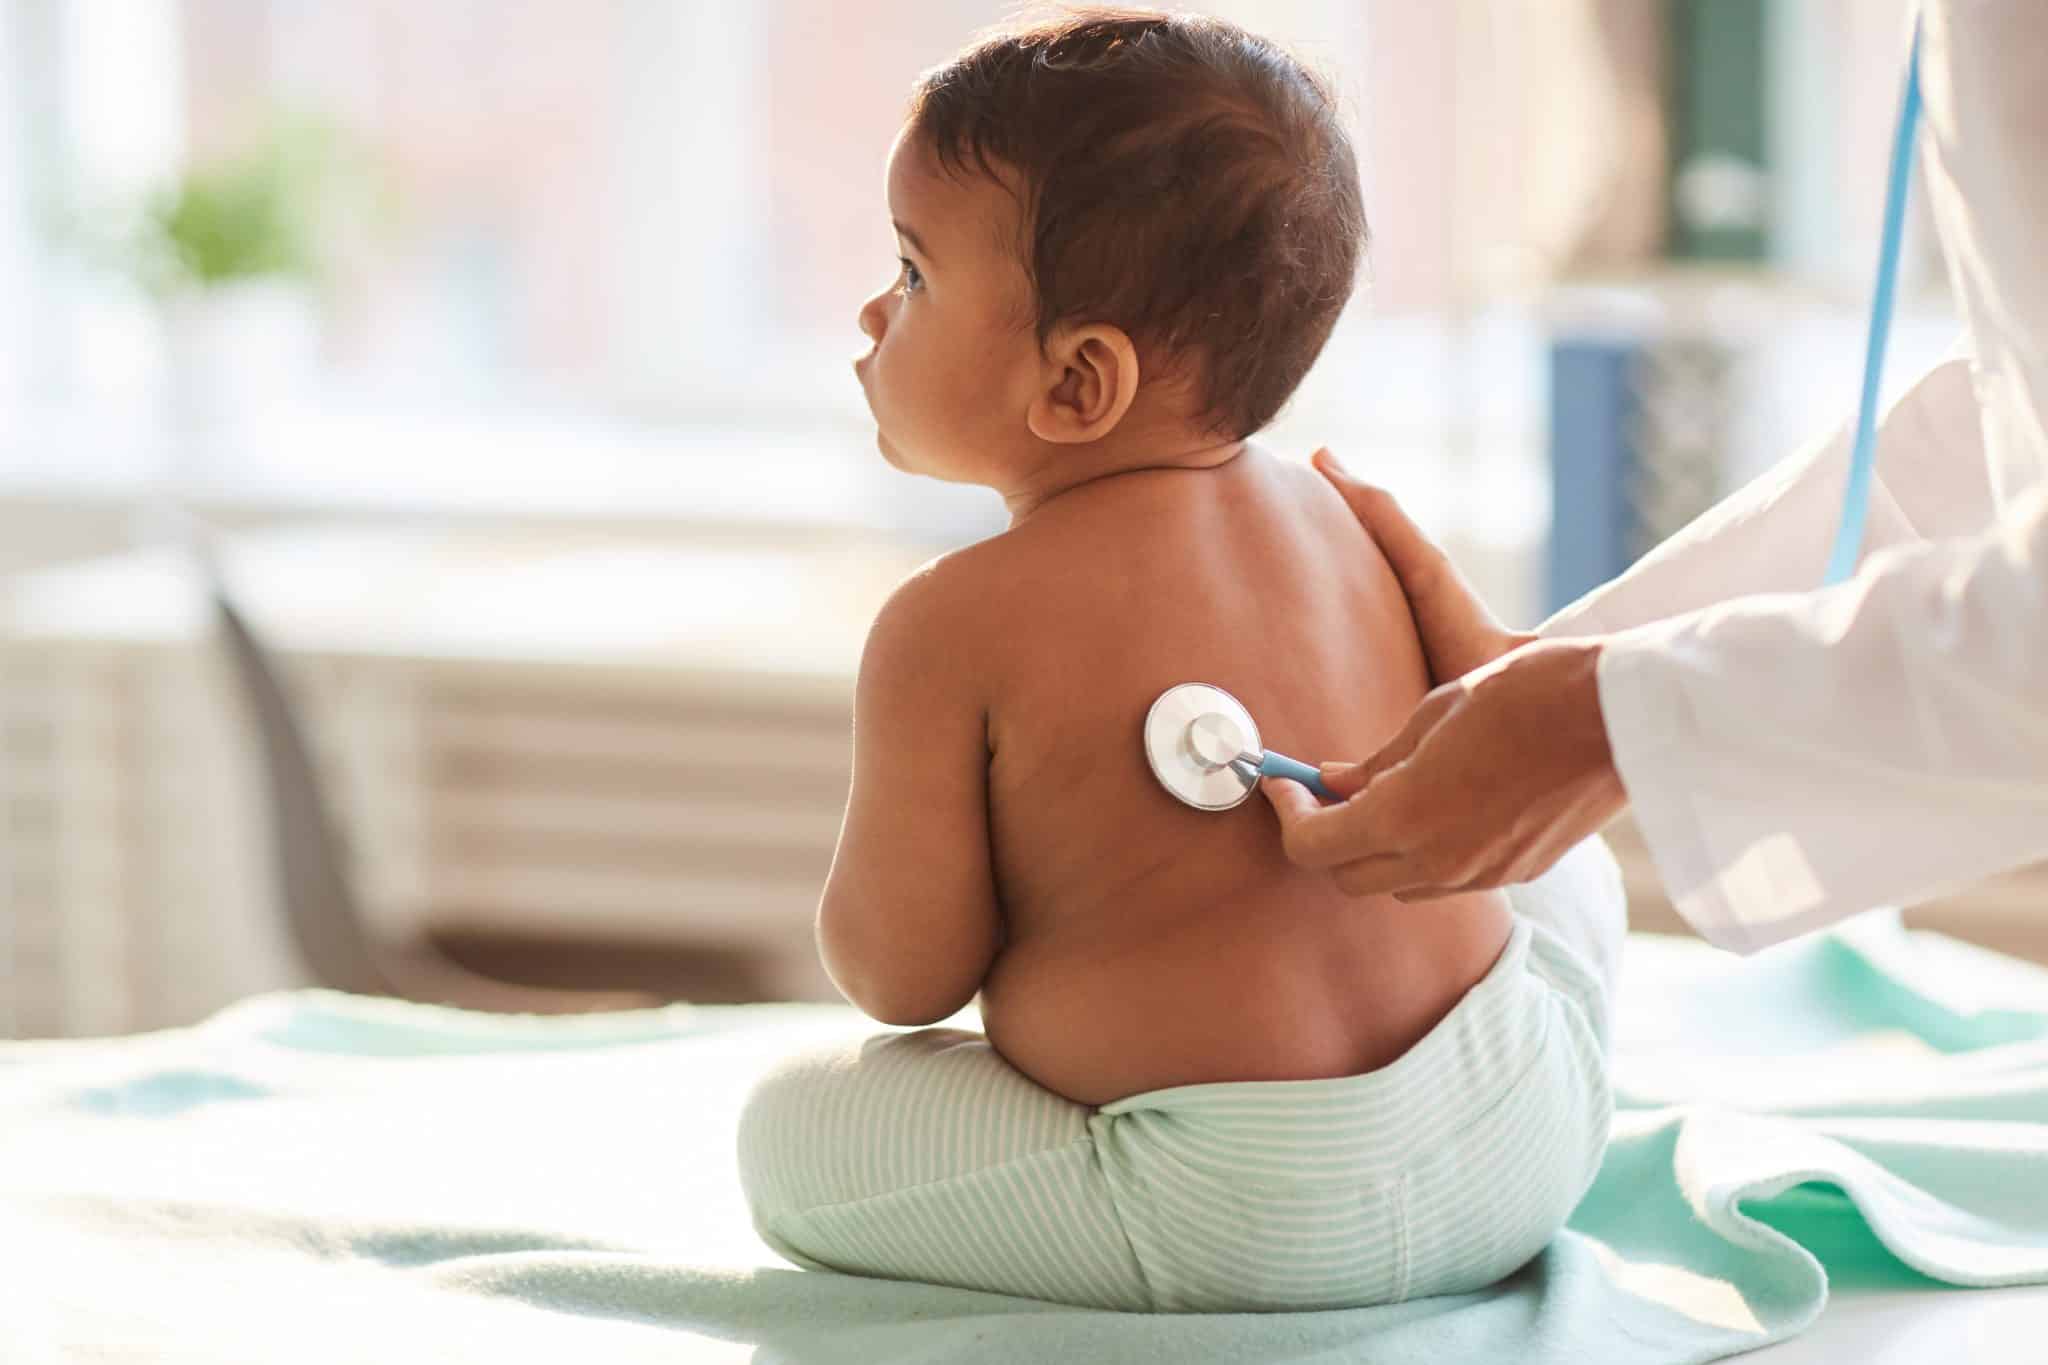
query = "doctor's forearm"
{"x": 1792, "y": 759}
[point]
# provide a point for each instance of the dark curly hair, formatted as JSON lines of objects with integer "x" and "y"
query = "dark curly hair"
{"x": 1180, "y": 178}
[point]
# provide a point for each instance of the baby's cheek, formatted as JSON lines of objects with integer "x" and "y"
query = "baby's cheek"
{"x": 947, "y": 395}
{"x": 923, "y": 399}
{"x": 987, "y": 389}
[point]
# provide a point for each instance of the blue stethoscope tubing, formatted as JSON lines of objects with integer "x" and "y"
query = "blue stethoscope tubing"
{"x": 1848, "y": 545}
{"x": 1280, "y": 765}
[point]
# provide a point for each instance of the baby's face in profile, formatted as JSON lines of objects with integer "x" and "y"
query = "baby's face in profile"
{"x": 955, "y": 359}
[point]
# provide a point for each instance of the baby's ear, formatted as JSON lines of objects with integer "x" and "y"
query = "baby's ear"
{"x": 1090, "y": 378}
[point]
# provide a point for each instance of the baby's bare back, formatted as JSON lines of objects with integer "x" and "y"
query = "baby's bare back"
{"x": 1149, "y": 944}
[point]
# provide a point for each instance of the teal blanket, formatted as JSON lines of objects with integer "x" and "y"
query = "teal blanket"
{"x": 313, "y": 1177}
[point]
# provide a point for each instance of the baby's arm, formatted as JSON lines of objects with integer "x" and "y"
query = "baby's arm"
{"x": 909, "y": 924}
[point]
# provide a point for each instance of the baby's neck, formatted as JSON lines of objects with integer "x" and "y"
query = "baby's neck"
{"x": 1071, "y": 469}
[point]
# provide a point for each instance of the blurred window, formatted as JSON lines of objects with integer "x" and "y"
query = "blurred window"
{"x": 664, "y": 207}
{"x": 573, "y": 223}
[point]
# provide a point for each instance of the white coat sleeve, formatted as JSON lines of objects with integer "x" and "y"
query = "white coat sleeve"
{"x": 1793, "y": 759}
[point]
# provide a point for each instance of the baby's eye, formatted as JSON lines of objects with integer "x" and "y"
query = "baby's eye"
{"x": 912, "y": 277}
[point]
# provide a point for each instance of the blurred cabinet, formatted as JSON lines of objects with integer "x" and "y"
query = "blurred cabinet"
{"x": 1721, "y": 181}
{"x": 571, "y": 738}
{"x": 1638, "y": 436}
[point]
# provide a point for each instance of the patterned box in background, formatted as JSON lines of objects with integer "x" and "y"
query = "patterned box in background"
{"x": 1638, "y": 432}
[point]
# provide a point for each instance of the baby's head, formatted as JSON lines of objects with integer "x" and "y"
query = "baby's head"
{"x": 1118, "y": 230}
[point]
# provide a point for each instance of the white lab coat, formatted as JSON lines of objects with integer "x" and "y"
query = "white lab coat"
{"x": 1794, "y": 755}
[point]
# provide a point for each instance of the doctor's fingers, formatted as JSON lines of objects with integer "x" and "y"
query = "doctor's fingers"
{"x": 1375, "y": 821}
{"x": 1418, "y": 563}
{"x": 1421, "y": 723}
{"x": 1375, "y": 876}
{"x": 1418, "y": 875}
{"x": 1510, "y": 861}
{"x": 1418, "y": 871}
{"x": 1344, "y": 780}
{"x": 1458, "y": 633}
{"x": 1292, "y": 802}
{"x": 1312, "y": 835}
{"x": 1423, "y": 894}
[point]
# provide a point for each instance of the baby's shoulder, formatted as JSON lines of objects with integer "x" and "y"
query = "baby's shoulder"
{"x": 951, "y": 584}
{"x": 974, "y": 580}
{"x": 934, "y": 618}
{"x": 966, "y": 611}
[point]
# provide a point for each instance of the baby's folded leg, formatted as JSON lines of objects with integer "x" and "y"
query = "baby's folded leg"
{"x": 926, "y": 1156}
{"x": 1580, "y": 904}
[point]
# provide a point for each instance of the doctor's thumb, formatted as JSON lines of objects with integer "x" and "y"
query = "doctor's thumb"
{"x": 1344, "y": 780}
{"x": 1290, "y": 800}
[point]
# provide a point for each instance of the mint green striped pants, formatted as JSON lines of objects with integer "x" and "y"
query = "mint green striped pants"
{"x": 926, "y": 1156}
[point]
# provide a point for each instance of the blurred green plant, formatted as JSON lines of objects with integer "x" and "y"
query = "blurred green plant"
{"x": 235, "y": 221}
{"x": 266, "y": 213}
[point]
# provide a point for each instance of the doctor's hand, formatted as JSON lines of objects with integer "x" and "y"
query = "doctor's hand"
{"x": 1494, "y": 778}
{"x": 1458, "y": 633}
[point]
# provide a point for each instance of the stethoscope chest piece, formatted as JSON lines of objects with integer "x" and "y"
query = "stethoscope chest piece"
{"x": 1203, "y": 746}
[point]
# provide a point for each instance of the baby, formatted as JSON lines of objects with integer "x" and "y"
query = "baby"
{"x": 1209, "y": 1081}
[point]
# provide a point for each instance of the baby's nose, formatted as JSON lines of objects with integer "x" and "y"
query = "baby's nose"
{"x": 874, "y": 317}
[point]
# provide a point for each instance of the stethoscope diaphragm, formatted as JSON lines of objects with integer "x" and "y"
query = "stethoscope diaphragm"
{"x": 1196, "y": 737}
{"x": 1204, "y": 749}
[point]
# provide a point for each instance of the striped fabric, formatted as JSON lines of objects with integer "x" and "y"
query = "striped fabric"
{"x": 926, "y": 1156}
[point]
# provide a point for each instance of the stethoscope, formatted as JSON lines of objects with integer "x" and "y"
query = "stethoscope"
{"x": 1204, "y": 749}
